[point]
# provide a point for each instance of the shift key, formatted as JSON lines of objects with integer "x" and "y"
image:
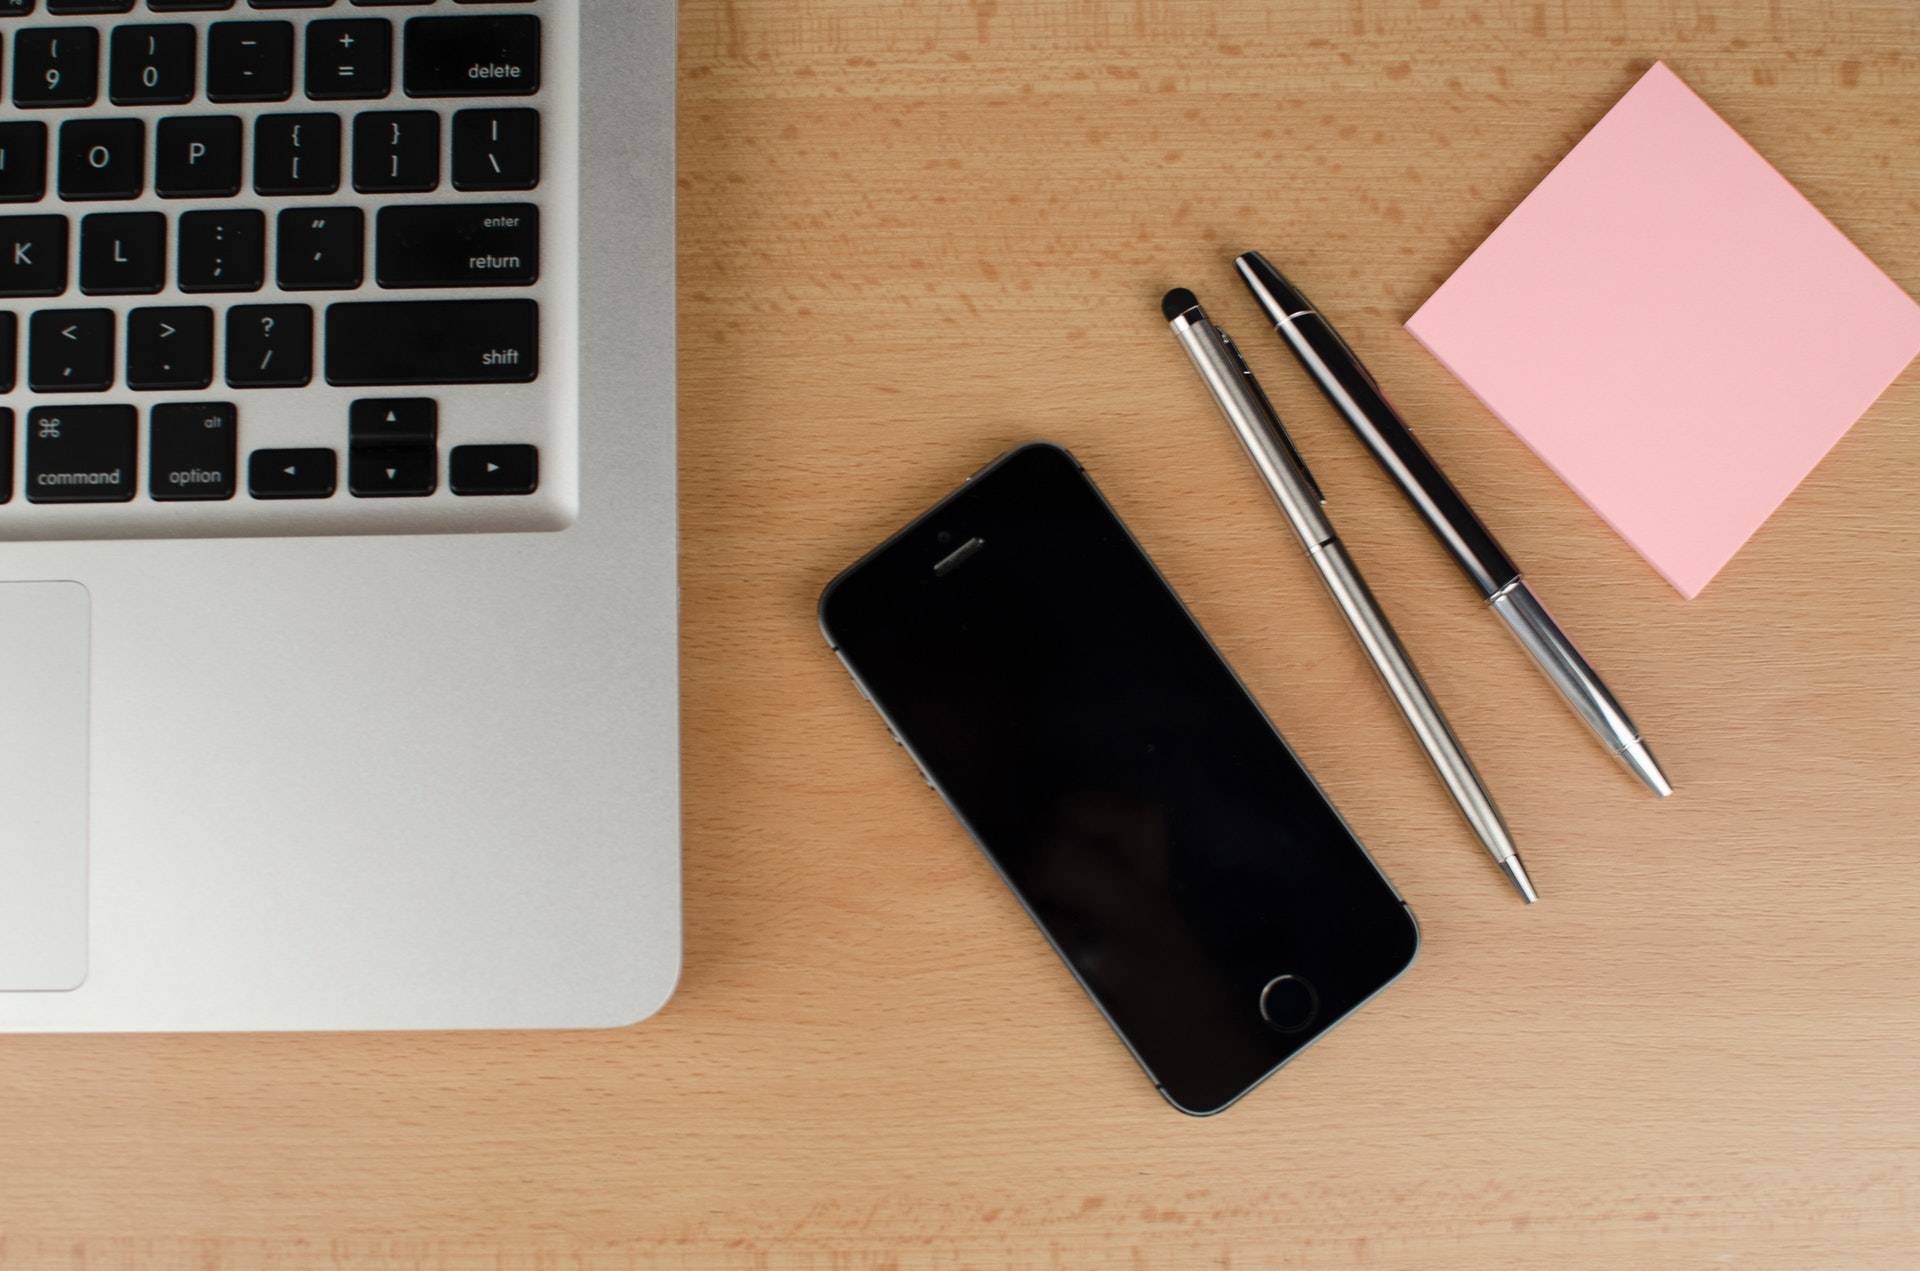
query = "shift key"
{"x": 458, "y": 245}
{"x": 433, "y": 342}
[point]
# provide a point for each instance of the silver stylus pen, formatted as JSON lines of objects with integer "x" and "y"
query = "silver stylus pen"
{"x": 1259, "y": 429}
{"x": 1346, "y": 383}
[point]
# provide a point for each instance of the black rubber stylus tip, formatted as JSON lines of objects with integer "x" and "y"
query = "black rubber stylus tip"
{"x": 1177, "y": 302}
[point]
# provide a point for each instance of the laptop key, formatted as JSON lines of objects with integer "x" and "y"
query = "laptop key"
{"x": 9, "y": 340}
{"x": 494, "y": 469}
{"x": 80, "y": 454}
{"x": 70, "y": 350}
{"x": 292, "y": 474}
{"x": 33, "y": 255}
{"x": 269, "y": 346}
{"x": 472, "y": 57}
{"x": 170, "y": 347}
{"x": 191, "y": 451}
{"x": 394, "y": 421}
{"x": 6, "y": 453}
{"x": 496, "y": 149}
{"x": 15, "y": 8}
{"x": 187, "y": 6}
{"x": 89, "y": 6}
{"x": 396, "y": 151}
{"x": 23, "y": 161}
{"x": 223, "y": 251}
{"x": 457, "y": 245}
{"x": 250, "y": 61}
{"x": 56, "y": 66}
{"x": 319, "y": 248}
{"x": 197, "y": 157}
{"x": 296, "y": 154}
{"x": 349, "y": 58}
{"x": 386, "y": 472}
{"x": 433, "y": 342}
{"x": 123, "y": 253}
{"x": 103, "y": 158}
{"x": 152, "y": 64}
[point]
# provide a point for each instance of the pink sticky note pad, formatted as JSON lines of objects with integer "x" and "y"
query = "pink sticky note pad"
{"x": 1673, "y": 328}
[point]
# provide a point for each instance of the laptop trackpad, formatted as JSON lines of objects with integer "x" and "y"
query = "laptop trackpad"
{"x": 44, "y": 660}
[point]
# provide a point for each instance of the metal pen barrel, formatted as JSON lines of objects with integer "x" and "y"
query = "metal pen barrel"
{"x": 1257, "y": 425}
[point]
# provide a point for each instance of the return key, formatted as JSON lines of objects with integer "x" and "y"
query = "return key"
{"x": 458, "y": 245}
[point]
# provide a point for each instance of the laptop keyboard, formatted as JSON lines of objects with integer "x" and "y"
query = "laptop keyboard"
{"x": 286, "y": 266}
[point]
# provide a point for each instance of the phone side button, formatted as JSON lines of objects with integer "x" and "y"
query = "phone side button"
{"x": 858, "y": 687}
{"x": 1289, "y": 1003}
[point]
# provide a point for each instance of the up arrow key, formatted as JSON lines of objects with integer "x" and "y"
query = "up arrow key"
{"x": 393, "y": 421}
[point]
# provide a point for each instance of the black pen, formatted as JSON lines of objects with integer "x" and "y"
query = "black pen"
{"x": 1357, "y": 397}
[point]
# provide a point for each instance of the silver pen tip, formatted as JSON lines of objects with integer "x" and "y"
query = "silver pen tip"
{"x": 1521, "y": 883}
{"x": 1637, "y": 757}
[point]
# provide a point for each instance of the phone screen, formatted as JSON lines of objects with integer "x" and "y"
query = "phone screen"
{"x": 1182, "y": 862}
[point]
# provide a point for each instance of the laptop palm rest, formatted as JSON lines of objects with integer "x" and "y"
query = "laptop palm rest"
{"x": 44, "y": 659}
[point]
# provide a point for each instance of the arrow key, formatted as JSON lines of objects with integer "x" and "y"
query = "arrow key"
{"x": 394, "y": 421}
{"x": 494, "y": 469}
{"x": 375, "y": 472}
{"x": 292, "y": 474}
{"x": 170, "y": 348}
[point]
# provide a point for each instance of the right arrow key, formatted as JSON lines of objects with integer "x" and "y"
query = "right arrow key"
{"x": 494, "y": 469}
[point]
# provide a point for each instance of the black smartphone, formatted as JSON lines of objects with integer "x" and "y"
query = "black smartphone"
{"x": 1156, "y": 826}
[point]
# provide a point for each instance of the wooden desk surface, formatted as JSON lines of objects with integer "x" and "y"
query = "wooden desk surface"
{"x": 915, "y": 233}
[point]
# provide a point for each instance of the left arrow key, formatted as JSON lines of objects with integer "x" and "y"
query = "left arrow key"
{"x": 292, "y": 474}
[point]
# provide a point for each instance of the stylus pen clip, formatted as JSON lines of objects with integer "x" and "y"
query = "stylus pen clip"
{"x": 1258, "y": 426}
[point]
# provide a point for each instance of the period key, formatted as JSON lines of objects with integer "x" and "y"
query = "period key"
{"x": 193, "y": 451}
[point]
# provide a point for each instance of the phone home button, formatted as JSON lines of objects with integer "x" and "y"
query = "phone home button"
{"x": 1289, "y": 1003}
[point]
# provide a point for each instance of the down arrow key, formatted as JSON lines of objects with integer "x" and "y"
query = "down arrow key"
{"x": 385, "y": 472}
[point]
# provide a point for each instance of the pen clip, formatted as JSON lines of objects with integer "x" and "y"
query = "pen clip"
{"x": 1273, "y": 416}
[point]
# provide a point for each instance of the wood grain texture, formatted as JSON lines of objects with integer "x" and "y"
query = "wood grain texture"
{"x": 916, "y": 233}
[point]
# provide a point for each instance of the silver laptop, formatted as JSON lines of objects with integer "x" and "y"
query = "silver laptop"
{"x": 337, "y": 527}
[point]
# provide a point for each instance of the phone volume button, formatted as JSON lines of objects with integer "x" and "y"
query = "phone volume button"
{"x": 858, "y": 687}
